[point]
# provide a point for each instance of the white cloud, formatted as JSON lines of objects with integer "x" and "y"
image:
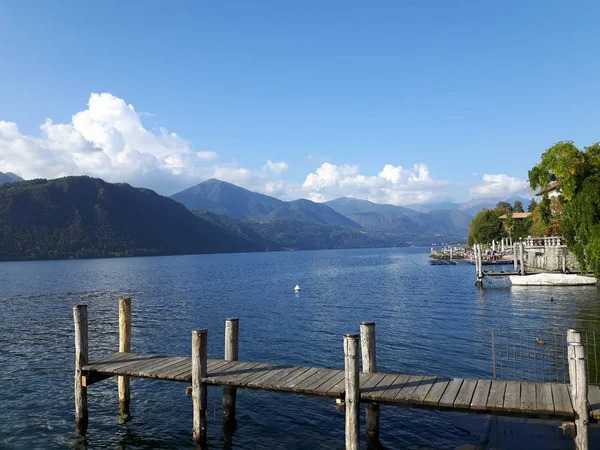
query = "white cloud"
{"x": 499, "y": 185}
{"x": 276, "y": 167}
{"x": 393, "y": 184}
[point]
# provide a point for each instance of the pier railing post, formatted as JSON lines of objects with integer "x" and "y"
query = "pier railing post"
{"x": 579, "y": 390}
{"x": 80, "y": 319}
{"x": 199, "y": 391}
{"x": 125, "y": 347}
{"x": 232, "y": 327}
{"x": 352, "y": 392}
{"x": 369, "y": 365}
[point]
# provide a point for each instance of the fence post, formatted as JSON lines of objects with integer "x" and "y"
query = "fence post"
{"x": 580, "y": 397}
{"x": 124, "y": 346}
{"x": 232, "y": 327}
{"x": 80, "y": 319}
{"x": 369, "y": 365}
{"x": 199, "y": 391}
{"x": 352, "y": 393}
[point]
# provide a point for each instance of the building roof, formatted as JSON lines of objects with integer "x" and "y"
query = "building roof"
{"x": 517, "y": 215}
{"x": 551, "y": 187}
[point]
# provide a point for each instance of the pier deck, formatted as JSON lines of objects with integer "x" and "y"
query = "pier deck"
{"x": 518, "y": 398}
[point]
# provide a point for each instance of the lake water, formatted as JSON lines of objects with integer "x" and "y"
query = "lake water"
{"x": 430, "y": 320}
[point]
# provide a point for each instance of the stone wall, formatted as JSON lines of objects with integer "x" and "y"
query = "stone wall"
{"x": 550, "y": 259}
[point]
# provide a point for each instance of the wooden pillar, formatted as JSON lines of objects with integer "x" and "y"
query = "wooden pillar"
{"x": 515, "y": 256}
{"x": 522, "y": 252}
{"x": 232, "y": 327}
{"x": 352, "y": 393}
{"x": 579, "y": 394}
{"x": 199, "y": 391}
{"x": 479, "y": 265}
{"x": 573, "y": 337}
{"x": 80, "y": 319}
{"x": 125, "y": 347}
{"x": 369, "y": 365}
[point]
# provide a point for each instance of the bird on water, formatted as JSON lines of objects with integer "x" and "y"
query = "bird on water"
{"x": 539, "y": 341}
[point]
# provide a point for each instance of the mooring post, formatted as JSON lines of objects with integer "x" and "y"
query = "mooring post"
{"x": 369, "y": 365}
{"x": 199, "y": 391}
{"x": 580, "y": 387}
{"x": 125, "y": 347}
{"x": 573, "y": 337}
{"x": 232, "y": 327}
{"x": 478, "y": 265}
{"x": 522, "y": 252}
{"x": 352, "y": 393}
{"x": 515, "y": 256}
{"x": 80, "y": 319}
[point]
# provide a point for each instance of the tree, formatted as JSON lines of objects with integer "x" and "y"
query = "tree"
{"x": 504, "y": 205}
{"x": 545, "y": 210}
{"x": 532, "y": 205}
{"x": 486, "y": 226}
{"x": 509, "y": 224}
{"x": 518, "y": 206}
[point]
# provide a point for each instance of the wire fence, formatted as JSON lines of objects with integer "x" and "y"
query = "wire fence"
{"x": 539, "y": 355}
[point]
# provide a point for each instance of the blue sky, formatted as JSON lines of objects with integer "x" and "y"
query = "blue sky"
{"x": 343, "y": 98}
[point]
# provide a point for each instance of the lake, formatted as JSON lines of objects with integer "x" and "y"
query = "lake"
{"x": 430, "y": 320}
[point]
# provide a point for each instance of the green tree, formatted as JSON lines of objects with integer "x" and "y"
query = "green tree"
{"x": 518, "y": 206}
{"x": 485, "y": 226}
{"x": 509, "y": 224}
{"x": 545, "y": 210}
{"x": 532, "y": 205}
{"x": 504, "y": 205}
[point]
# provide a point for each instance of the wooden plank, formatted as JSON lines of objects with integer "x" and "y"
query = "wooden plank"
{"x": 434, "y": 396}
{"x": 329, "y": 384}
{"x": 512, "y": 396}
{"x": 376, "y": 392}
{"x": 369, "y": 382}
{"x": 125, "y": 362}
{"x": 465, "y": 395}
{"x": 140, "y": 368}
{"x": 481, "y": 394}
{"x": 495, "y": 400}
{"x": 173, "y": 362}
{"x": 528, "y": 401}
{"x": 184, "y": 368}
{"x": 562, "y": 400}
{"x": 409, "y": 387}
{"x": 291, "y": 385}
{"x": 271, "y": 376}
{"x": 290, "y": 377}
{"x": 234, "y": 373}
{"x": 423, "y": 389}
{"x": 253, "y": 374}
{"x": 390, "y": 393}
{"x": 325, "y": 378}
{"x": 318, "y": 375}
{"x": 543, "y": 398}
{"x": 594, "y": 400}
{"x": 105, "y": 360}
{"x": 451, "y": 392}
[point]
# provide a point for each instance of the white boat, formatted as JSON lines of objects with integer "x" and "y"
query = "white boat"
{"x": 552, "y": 279}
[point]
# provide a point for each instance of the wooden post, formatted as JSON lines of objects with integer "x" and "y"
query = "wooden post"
{"x": 580, "y": 397}
{"x": 522, "y": 251}
{"x": 352, "y": 393}
{"x": 80, "y": 319}
{"x": 232, "y": 327}
{"x": 199, "y": 391}
{"x": 515, "y": 256}
{"x": 125, "y": 347}
{"x": 479, "y": 265}
{"x": 369, "y": 365}
{"x": 573, "y": 337}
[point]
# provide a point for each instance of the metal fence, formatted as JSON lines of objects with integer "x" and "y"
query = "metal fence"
{"x": 539, "y": 355}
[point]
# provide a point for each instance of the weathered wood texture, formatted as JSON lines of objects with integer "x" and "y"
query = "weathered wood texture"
{"x": 506, "y": 397}
{"x": 199, "y": 391}
{"x": 232, "y": 327}
{"x": 80, "y": 319}
{"x": 369, "y": 365}
{"x": 124, "y": 347}
{"x": 352, "y": 391}
{"x": 580, "y": 399}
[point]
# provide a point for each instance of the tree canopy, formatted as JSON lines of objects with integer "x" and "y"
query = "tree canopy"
{"x": 486, "y": 226}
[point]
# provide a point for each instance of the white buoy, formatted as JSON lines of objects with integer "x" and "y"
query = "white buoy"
{"x": 297, "y": 288}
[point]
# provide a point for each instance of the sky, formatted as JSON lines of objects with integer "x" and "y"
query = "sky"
{"x": 398, "y": 102}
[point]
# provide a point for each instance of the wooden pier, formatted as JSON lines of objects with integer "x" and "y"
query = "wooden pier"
{"x": 575, "y": 402}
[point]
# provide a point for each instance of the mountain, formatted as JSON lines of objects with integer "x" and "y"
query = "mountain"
{"x": 227, "y": 199}
{"x": 220, "y": 197}
{"x": 382, "y": 217}
{"x": 471, "y": 207}
{"x": 9, "y": 177}
{"x": 81, "y": 217}
{"x": 306, "y": 211}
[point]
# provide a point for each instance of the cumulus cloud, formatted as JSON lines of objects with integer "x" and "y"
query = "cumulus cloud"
{"x": 108, "y": 140}
{"x": 276, "y": 167}
{"x": 499, "y": 185}
{"x": 393, "y": 184}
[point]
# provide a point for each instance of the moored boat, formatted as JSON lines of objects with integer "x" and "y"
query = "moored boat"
{"x": 552, "y": 279}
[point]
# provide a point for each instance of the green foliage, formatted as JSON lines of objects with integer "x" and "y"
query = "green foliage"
{"x": 504, "y": 205}
{"x": 518, "y": 206}
{"x": 486, "y": 226}
{"x": 509, "y": 223}
{"x": 545, "y": 210}
{"x": 532, "y": 205}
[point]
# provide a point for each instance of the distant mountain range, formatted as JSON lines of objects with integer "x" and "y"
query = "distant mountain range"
{"x": 471, "y": 207}
{"x": 9, "y": 177}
